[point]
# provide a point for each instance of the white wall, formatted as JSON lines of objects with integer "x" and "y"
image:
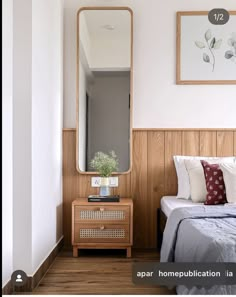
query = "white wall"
{"x": 85, "y": 41}
{"x": 47, "y": 59}
{"x": 33, "y": 70}
{"x": 7, "y": 170}
{"x": 158, "y": 101}
{"x": 22, "y": 136}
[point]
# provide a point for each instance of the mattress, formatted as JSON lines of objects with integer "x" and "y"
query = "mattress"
{"x": 169, "y": 203}
{"x": 201, "y": 234}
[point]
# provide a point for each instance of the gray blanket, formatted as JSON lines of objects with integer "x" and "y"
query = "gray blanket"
{"x": 201, "y": 234}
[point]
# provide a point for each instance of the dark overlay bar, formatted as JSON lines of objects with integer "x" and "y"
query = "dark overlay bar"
{"x": 189, "y": 274}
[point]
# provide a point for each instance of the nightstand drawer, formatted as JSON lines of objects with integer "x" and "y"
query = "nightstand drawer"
{"x": 102, "y": 225}
{"x": 101, "y": 233}
{"x": 114, "y": 214}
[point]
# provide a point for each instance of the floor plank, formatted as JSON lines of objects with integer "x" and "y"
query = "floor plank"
{"x": 97, "y": 272}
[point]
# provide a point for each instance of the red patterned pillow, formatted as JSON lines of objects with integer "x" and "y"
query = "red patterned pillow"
{"x": 214, "y": 184}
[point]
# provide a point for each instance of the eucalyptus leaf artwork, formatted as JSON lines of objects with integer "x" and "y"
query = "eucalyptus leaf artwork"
{"x": 206, "y": 58}
{"x": 210, "y": 44}
{"x": 206, "y": 53}
{"x": 231, "y": 54}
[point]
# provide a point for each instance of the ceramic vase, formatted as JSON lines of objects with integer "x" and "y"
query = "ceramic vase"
{"x": 104, "y": 187}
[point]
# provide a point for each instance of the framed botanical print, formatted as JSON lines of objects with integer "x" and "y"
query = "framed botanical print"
{"x": 206, "y": 53}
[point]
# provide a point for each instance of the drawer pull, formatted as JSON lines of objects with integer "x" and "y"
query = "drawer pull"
{"x": 102, "y": 228}
{"x": 101, "y": 208}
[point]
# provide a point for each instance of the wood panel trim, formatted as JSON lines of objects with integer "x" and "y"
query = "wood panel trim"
{"x": 69, "y": 129}
{"x": 184, "y": 129}
{"x": 168, "y": 129}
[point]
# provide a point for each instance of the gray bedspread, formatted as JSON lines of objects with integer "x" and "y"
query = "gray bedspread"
{"x": 201, "y": 234}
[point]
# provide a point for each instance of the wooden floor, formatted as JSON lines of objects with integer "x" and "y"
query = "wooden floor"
{"x": 97, "y": 272}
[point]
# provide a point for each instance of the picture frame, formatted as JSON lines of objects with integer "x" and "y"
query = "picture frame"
{"x": 205, "y": 53}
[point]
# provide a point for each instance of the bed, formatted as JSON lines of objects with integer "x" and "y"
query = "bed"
{"x": 195, "y": 232}
{"x": 168, "y": 204}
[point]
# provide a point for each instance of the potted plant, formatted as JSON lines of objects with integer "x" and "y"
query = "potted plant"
{"x": 104, "y": 164}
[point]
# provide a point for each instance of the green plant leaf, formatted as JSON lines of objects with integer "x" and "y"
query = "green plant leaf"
{"x": 208, "y": 35}
{"x": 206, "y": 58}
{"x": 213, "y": 41}
{"x": 218, "y": 44}
{"x": 199, "y": 44}
{"x": 105, "y": 164}
{"x": 229, "y": 54}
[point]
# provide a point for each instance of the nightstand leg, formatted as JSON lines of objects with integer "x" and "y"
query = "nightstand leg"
{"x": 75, "y": 251}
{"x": 128, "y": 252}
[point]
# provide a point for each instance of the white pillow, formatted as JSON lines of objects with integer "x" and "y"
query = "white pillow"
{"x": 229, "y": 174}
{"x": 197, "y": 179}
{"x": 182, "y": 174}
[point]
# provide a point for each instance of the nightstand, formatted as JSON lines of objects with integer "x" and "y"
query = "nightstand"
{"x": 102, "y": 225}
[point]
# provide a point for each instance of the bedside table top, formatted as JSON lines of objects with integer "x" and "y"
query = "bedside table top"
{"x": 84, "y": 201}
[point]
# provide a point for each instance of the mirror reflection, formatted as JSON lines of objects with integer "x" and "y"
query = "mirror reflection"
{"x": 104, "y": 76}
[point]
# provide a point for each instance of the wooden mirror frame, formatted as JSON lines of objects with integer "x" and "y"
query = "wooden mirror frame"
{"x": 131, "y": 86}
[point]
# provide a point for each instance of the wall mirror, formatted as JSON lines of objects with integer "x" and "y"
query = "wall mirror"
{"x": 104, "y": 85}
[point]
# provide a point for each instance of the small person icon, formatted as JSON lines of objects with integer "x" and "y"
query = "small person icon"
{"x": 18, "y": 278}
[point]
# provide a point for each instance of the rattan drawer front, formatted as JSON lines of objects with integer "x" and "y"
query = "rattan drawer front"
{"x": 95, "y": 233}
{"x": 119, "y": 214}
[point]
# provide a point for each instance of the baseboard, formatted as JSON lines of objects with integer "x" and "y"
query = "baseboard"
{"x": 46, "y": 264}
{"x": 7, "y": 289}
{"x": 34, "y": 280}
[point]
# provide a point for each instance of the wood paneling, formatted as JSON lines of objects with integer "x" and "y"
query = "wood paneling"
{"x": 139, "y": 188}
{"x": 152, "y": 176}
{"x": 190, "y": 143}
{"x": 235, "y": 143}
{"x": 207, "y": 143}
{"x": 124, "y": 189}
{"x": 173, "y": 146}
{"x": 225, "y": 143}
{"x": 156, "y": 180}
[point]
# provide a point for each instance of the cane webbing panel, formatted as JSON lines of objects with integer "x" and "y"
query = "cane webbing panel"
{"x": 96, "y": 233}
{"x": 102, "y": 215}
